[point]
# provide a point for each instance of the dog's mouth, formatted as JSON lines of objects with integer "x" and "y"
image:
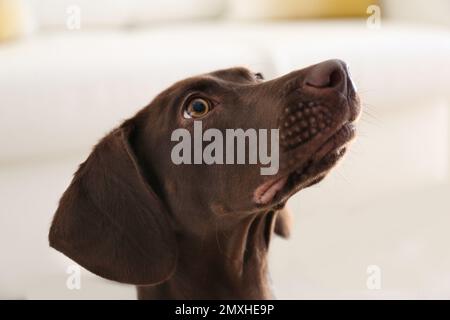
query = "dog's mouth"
{"x": 322, "y": 160}
{"x": 309, "y": 172}
{"x": 316, "y": 125}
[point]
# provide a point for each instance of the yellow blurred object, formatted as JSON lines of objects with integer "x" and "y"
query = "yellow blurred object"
{"x": 294, "y": 9}
{"x": 14, "y": 20}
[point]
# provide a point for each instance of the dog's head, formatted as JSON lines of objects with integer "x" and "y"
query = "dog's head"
{"x": 121, "y": 212}
{"x": 313, "y": 109}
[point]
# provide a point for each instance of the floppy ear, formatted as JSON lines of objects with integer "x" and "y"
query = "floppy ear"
{"x": 111, "y": 222}
{"x": 283, "y": 222}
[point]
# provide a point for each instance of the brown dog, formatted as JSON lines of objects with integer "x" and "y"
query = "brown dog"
{"x": 203, "y": 231}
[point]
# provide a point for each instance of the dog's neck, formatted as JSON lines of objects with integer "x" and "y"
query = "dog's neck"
{"x": 229, "y": 263}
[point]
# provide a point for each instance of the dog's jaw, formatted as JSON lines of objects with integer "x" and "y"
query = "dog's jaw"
{"x": 314, "y": 135}
{"x": 308, "y": 171}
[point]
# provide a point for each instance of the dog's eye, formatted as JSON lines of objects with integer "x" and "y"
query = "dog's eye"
{"x": 197, "y": 108}
{"x": 259, "y": 76}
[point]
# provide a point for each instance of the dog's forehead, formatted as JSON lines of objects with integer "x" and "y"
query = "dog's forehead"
{"x": 233, "y": 74}
{"x": 217, "y": 79}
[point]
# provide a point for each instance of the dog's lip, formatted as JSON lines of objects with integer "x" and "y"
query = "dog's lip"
{"x": 336, "y": 142}
{"x": 267, "y": 191}
{"x": 271, "y": 189}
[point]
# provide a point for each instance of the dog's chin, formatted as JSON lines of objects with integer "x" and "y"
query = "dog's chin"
{"x": 307, "y": 173}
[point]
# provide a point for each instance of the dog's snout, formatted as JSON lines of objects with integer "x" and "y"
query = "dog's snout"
{"x": 328, "y": 74}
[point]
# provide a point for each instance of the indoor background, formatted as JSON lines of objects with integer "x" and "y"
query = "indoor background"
{"x": 377, "y": 227}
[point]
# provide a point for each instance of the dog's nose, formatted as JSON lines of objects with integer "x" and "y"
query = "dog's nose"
{"x": 328, "y": 74}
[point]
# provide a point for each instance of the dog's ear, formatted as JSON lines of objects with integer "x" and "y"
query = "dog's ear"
{"x": 111, "y": 222}
{"x": 283, "y": 222}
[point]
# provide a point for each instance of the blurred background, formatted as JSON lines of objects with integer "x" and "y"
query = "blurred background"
{"x": 72, "y": 70}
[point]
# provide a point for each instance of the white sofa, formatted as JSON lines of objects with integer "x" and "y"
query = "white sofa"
{"x": 385, "y": 205}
